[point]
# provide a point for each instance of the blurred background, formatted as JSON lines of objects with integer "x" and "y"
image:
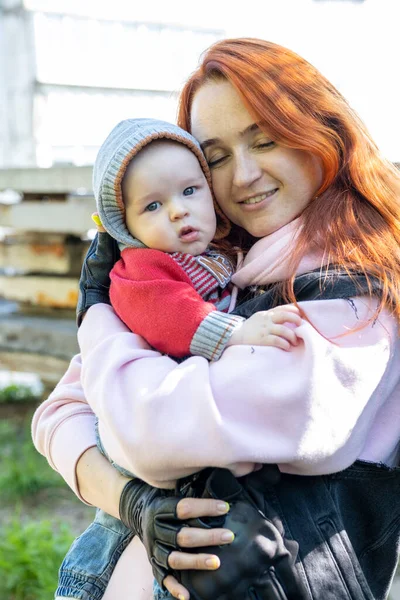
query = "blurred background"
{"x": 69, "y": 71}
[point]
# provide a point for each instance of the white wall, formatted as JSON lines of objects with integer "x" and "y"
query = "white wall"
{"x": 16, "y": 85}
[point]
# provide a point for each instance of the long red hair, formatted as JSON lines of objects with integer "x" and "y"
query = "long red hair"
{"x": 355, "y": 216}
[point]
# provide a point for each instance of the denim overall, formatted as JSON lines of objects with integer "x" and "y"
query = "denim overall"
{"x": 347, "y": 524}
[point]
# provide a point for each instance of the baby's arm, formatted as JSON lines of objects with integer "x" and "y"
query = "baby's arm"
{"x": 272, "y": 327}
{"x": 156, "y": 299}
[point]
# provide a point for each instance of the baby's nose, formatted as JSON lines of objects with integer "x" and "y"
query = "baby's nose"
{"x": 178, "y": 211}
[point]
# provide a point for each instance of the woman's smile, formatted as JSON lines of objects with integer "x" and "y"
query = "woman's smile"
{"x": 259, "y": 198}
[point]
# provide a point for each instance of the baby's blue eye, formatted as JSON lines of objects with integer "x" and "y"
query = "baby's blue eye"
{"x": 153, "y": 206}
{"x": 189, "y": 191}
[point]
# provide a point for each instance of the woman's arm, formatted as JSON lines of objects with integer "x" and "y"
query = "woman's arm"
{"x": 63, "y": 426}
{"x": 100, "y": 484}
{"x": 63, "y": 430}
{"x": 311, "y": 409}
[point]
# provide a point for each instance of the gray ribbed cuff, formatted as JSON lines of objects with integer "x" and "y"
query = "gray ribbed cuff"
{"x": 213, "y": 334}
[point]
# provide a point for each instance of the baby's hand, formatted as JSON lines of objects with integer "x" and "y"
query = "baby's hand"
{"x": 269, "y": 328}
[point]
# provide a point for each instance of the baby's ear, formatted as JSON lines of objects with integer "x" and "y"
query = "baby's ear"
{"x": 96, "y": 219}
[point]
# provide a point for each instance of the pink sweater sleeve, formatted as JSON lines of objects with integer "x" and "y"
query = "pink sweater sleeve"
{"x": 313, "y": 410}
{"x": 63, "y": 426}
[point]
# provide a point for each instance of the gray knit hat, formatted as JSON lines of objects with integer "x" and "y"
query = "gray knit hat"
{"x": 122, "y": 144}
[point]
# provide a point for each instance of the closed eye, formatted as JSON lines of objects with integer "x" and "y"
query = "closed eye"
{"x": 216, "y": 161}
{"x": 265, "y": 145}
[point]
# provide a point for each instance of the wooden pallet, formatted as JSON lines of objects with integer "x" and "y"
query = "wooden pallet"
{"x": 43, "y": 240}
{"x": 71, "y": 216}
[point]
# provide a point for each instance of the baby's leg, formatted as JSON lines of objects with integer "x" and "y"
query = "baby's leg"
{"x": 132, "y": 578}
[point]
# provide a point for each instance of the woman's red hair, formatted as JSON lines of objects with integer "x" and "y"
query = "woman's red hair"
{"x": 355, "y": 216}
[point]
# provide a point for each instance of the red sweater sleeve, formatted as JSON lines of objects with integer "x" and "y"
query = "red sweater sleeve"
{"x": 156, "y": 299}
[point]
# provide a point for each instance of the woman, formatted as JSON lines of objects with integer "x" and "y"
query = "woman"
{"x": 293, "y": 167}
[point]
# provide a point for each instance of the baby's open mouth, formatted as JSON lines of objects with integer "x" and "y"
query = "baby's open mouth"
{"x": 188, "y": 234}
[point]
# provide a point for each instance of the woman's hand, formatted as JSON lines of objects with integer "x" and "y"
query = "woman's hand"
{"x": 157, "y": 517}
{"x": 192, "y": 537}
{"x": 92, "y": 467}
{"x": 258, "y": 564}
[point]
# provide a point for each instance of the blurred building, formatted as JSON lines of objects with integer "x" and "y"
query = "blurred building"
{"x": 69, "y": 69}
{"x": 66, "y": 79}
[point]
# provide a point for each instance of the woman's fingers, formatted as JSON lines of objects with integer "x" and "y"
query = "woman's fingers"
{"x": 182, "y": 561}
{"x": 192, "y": 537}
{"x": 176, "y": 589}
{"x": 190, "y": 508}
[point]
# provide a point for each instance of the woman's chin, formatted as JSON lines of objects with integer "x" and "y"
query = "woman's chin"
{"x": 260, "y": 230}
{"x": 262, "y": 227}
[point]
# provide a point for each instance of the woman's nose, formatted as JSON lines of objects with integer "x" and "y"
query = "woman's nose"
{"x": 247, "y": 170}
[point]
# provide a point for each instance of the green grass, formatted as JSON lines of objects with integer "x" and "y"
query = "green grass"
{"x": 33, "y": 542}
{"x": 23, "y": 471}
{"x": 18, "y": 393}
{"x": 30, "y": 556}
{"x": 31, "y": 551}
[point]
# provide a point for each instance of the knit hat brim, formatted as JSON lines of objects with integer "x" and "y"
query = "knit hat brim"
{"x": 126, "y": 140}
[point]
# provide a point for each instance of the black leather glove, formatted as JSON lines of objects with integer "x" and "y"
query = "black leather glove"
{"x": 259, "y": 564}
{"x": 94, "y": 283}
{"x": 151, "y": 513}
{"x": 256, "y": 566}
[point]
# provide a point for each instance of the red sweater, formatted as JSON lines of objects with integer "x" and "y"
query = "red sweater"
{"x": 165, "y": 297}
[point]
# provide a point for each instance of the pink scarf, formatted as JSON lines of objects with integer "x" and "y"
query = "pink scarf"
{"x": 268, "y": 260}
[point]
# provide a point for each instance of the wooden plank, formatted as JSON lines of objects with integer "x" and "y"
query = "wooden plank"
{"x": 49, "y": 368}
{"x": 55, "y": 179}
{"x": 38, "y": 334}
{"x": 42, "y": 254}
{"x": 72, "y": 216}
{"x": 56, "y": 292}
{"x": 36, "y": 344}
{"x": 52, "y": 257}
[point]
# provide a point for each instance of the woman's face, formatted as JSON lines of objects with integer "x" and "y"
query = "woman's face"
{"x": 260, "y": 185}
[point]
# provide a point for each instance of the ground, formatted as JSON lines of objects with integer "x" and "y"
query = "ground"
{"x": 54, "y": 502}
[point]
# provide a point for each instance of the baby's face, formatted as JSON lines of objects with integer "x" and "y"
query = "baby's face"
{"x": 169, "y": 205}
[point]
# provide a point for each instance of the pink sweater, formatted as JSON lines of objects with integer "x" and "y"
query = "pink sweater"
{"x": 312, "y": 410}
